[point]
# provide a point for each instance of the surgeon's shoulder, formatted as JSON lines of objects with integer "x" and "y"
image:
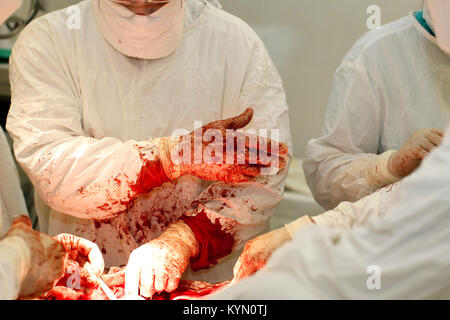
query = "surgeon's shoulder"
{"x": 371, "y": 44}
{"x": 232, "y": 28}
{"x": 54, "y": 29}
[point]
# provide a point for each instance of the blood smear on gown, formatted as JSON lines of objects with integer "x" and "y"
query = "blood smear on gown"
{"x": 115, "y": 279}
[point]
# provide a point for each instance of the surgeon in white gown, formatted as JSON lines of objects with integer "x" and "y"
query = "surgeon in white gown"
{"x": 92, "y": 106}
{"x": 388, "y": 107}
{"x": 403, "y": 255}
{"x": 347, "y": 215}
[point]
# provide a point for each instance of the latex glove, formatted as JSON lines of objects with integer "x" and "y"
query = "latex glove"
{"x": 411, "y": 154}
{"x": 47, "y": 259}
{"x": 257, "y": 252}
{"x": 158, "y": 265}
{"x": 83, "y": 251}
{"x": 180, "y": 157}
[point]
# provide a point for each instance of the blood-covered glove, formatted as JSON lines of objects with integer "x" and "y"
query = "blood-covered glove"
{"x": 84, "y": 252}
{"x": 47, "y": 259}
{"x": 258, "y": 251}
{"x": 411, "y": 154}
{"x": 158, "y": 265}
{"x": 213, "y": 153}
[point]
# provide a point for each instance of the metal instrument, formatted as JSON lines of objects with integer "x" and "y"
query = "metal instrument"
{"x": 16, "y": 24}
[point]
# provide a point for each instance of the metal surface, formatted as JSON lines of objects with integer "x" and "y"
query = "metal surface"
{"x": 132, "y": 297}
{"x": 106, "y": 290}
{"x": 16, "y": 24}
{"x": 7, "y": 8}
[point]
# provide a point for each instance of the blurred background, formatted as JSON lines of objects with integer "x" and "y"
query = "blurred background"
{"x": 307, "y": 39}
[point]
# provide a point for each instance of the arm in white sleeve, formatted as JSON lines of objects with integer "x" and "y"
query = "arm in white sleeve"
{"x": 14, "y": 264}
{"x": 343, "y": 165}
{"x": 230, "y": 214}
{"x": 73, "y": 173}
{"x": 348, "y": 215}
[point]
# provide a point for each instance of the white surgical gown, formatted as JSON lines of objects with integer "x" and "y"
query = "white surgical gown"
{"x": 84, "y": 116}
{"x": 15, "y": 259}
{"x": 393, "y": 82}
{"x": 348, "y": 215}
{"x": 403, "y": 255}
{"x": 12, "y": 202}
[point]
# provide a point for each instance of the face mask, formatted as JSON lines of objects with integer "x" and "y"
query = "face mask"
{"x": 145, "y": 37}
{"x": 438, "y": 12}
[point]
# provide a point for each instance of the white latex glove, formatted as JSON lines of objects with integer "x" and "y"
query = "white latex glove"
{"x": 158, "y": 265}
{"x": 83, "y": 251}
{"x": 47, "y": 259}
{"x": 411, "y": 154}
{"x": 180, "y": 157}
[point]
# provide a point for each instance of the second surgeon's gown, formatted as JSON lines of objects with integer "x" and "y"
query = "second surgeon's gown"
{"x": 393, "y": 82}
{"x": 12, "y": 202}
{"x": 83, "y": 115}
{"x": 405, "y": 254}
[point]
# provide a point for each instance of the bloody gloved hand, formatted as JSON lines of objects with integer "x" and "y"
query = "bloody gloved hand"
{"x": 158, "y": 265}
{"x": 218, "y": 152}
{"x": 411, "y": 154}
{"x": 85, "y": 253}
{"x": 47, "y": 259}
{"x": 257, "y": 252}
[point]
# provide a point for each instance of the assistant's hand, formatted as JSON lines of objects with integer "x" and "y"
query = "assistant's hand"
{"x": 158, "y": 265}
{"x": 83, "y": 251}
{"x": 411, "y": 154}
{"x": 257, "y": 252}
{"x": 47, "y": 259}
{"x": 223, "y": 157}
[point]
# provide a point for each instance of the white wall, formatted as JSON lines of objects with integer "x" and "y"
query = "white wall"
{"x": 307, "y": 40}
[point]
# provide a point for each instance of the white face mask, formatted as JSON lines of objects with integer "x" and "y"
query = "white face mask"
{"x": 145, "y": 37}
{"x": 438, "y": 12}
